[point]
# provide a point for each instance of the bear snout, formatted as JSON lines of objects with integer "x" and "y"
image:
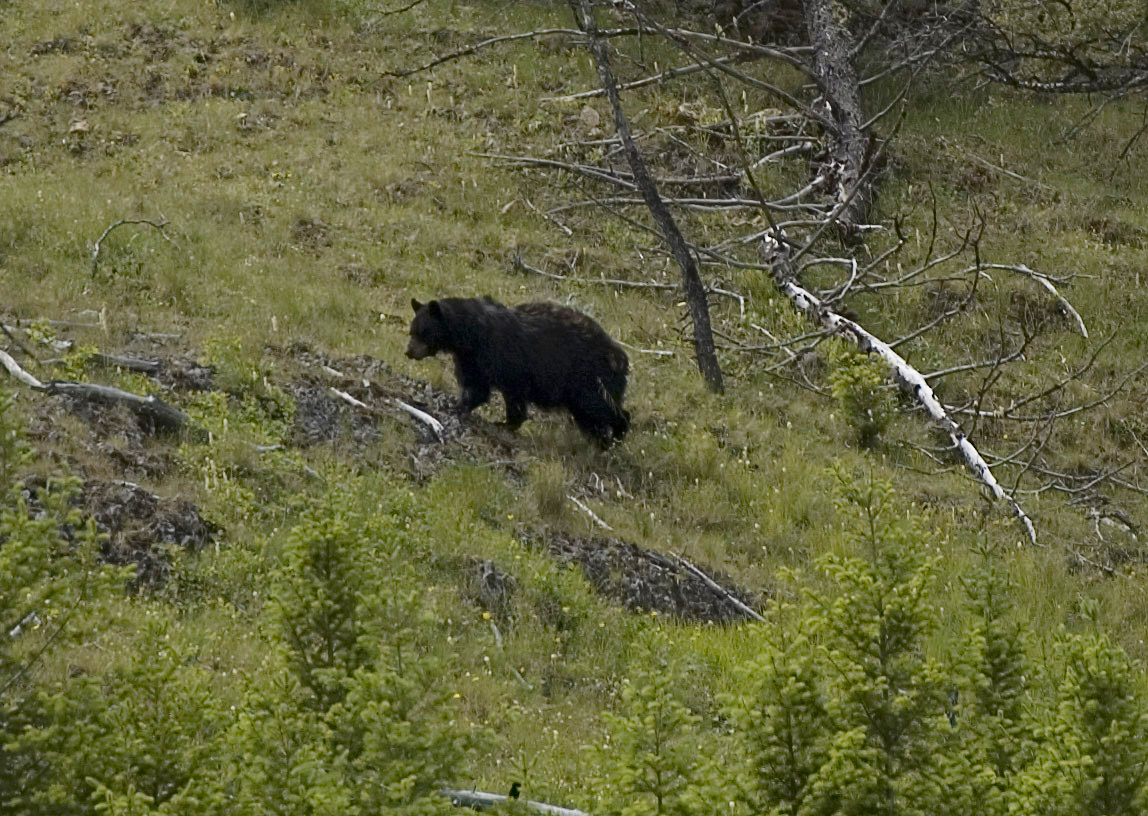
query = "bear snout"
{"x": 417, "y": 350}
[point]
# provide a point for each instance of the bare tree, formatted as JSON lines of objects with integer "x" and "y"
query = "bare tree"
{"x": 691, "y": 280}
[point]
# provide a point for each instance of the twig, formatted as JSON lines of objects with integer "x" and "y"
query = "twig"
{"x": 478, "y": 46}
{"x": 159, "y": 225}
{"x": 519, "y": 263}
{"x": 407, "y": 7}
{"x": 716, "y": 587}
{"x": 1044, "y": 281}
{"x": 8, "y": 331}
{"x": 433, "y": 424}
{"x": 581, "y": 506}
{"x": 670, "y": 73}
{"x": 658, "y": 352}
{"x": 50, "y": 342}
{"x": 619, "y": 177}
{"x": 1103, "y": 567}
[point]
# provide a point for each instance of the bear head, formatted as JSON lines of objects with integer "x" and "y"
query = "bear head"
{"x": 429, "y": 334}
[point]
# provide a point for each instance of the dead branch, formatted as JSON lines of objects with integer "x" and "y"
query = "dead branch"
{"x": 18, "y": 373}
{"x": 480, "y": 800}
{"x": 433, "y": 424}
{"x": 1102, "y": 567}
{"x": 129, "y": 363}
{"x": 785, "y": 275}
{"x": 716, "y": 587}
{"x": 620, "y": 283}
{"x": 593, "y": 516}
{"x": 400, "y": 10}
{"x": 151, "y": 408}
{"x": 50, "y": 342}
{"x": 618, "y": 177}
{"x": 691, "y": 279}
{"x": 836, "y": 76}
{"x": 159, "y": 225}
{"x": 156, "y": 337}
{"x": 1044, "y": 281}
{"x": 669, "y": 73}
{"x": 487, "y": 43}
{"x": 24, "y": 349}
{"x": 695, "y": 204}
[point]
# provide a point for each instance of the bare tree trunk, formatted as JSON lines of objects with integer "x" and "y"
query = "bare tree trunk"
{"x": 691, "y": 279}
{"x": 836, "y": 77}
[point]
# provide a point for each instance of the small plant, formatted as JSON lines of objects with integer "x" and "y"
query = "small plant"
{"x": 861, "y": 388}
{"x": 548, "y": 487}
{"x": 71, "y": 366}
{"x": 655, "y": 763}
{"x": 53, "y": 592}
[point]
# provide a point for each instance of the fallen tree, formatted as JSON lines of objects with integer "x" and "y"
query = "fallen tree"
{"x": 151, "y": 408}
{"x": 778, "y": 255}
{"x": 480, "y": 800}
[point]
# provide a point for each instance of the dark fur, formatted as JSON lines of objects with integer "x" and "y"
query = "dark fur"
{"x": 537, "y": 353}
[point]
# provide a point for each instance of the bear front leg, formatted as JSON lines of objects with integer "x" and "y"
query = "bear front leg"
{"x": 515, "y": 412}
{"x": 473, "y": 396}
{"x": 474, "y": 387}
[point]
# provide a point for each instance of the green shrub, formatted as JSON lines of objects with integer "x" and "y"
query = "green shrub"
{"x": 860, "y": 385}
{"x": 53, "y": 591}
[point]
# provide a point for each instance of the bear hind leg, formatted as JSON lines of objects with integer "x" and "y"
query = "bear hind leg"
{"x": 596, "y": 421}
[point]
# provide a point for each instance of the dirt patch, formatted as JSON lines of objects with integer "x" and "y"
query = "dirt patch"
{"x": 310, "y": 234}
{"x": 59, "y": 45}
{"x": 322, "y": 416}
{"x": 141, "y": 527}
{"x": 108, "y": 420}
{"x": 647, "y": 581}
{"x": 185, "y": 374}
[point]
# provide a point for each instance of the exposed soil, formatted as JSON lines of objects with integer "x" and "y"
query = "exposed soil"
{"x": 322, "y": 416}
{"x": 643, "y": 580}
{"x": 140, "y": 526}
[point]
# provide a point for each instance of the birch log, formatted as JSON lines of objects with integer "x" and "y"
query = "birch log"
{"x": 480, "y": 800}
{"x": 158, "y": 412}
{"x": 777, "y": 255}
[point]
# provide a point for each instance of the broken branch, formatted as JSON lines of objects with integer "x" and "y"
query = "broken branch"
{"x": 159, "y": 225}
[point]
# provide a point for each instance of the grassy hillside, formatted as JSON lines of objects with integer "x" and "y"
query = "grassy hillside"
{"x": 306, "y": 196}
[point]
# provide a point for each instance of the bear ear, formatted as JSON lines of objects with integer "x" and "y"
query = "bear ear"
{"x": 415, "y": 304}
{"x": 434, "y": 309}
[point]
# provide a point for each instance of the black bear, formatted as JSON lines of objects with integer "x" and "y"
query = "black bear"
{"x": 540, "y": 353}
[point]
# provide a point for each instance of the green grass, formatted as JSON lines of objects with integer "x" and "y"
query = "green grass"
{"x": 308, "y": 197}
